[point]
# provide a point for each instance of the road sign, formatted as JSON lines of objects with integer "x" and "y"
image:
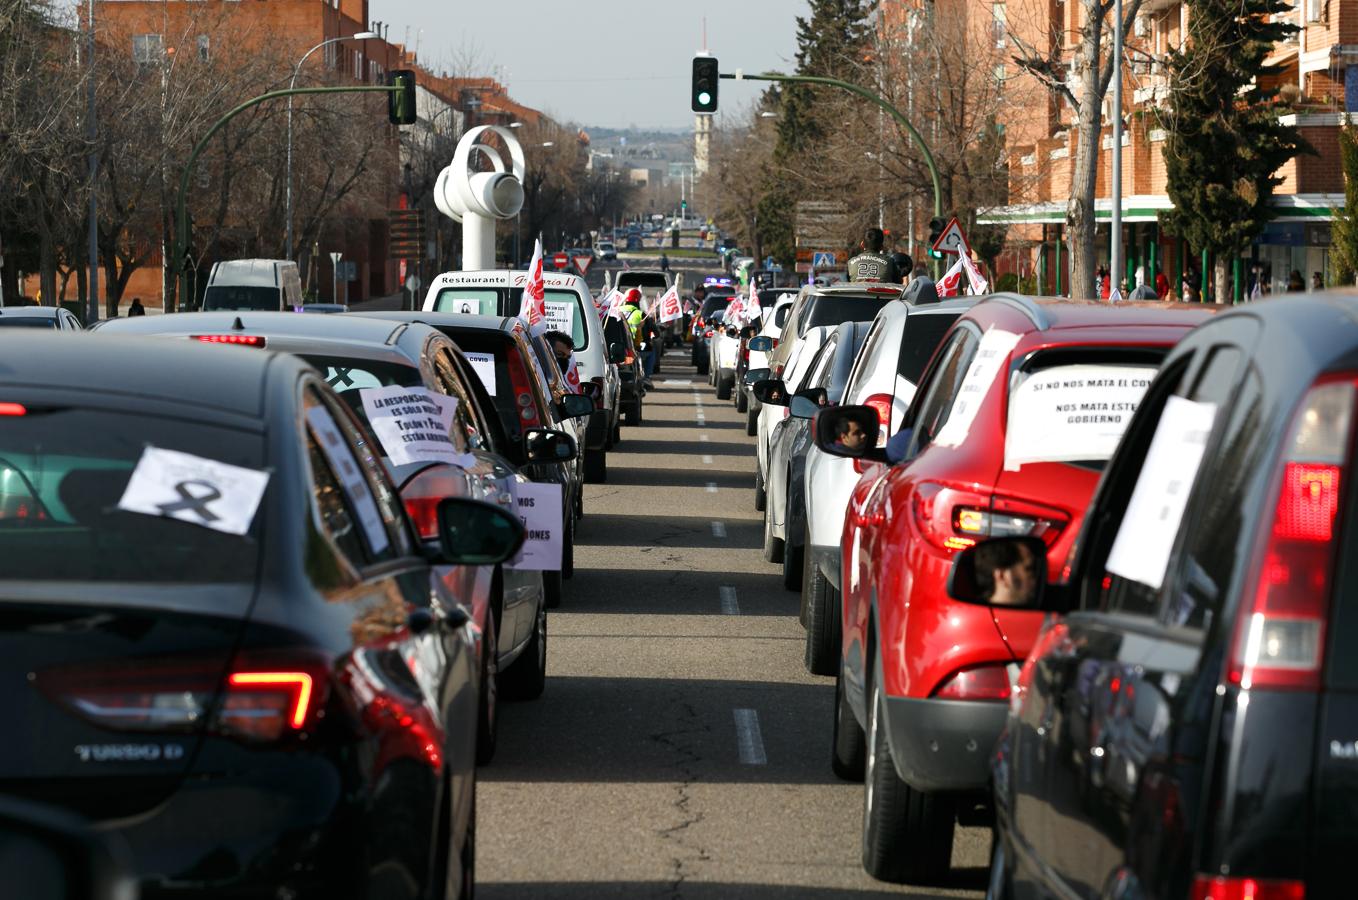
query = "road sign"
{"x": 406, "y": 230}
{"x": 953, "y": 239}
{"x": 824, "y": 259}
{"x": 582, "y": 263}
{"x": 560, "y": 260}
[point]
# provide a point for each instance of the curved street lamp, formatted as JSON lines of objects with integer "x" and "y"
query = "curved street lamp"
{"x": 296, "y": 70}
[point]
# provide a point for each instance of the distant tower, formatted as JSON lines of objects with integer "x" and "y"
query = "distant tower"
{"x": 702, "y": 142}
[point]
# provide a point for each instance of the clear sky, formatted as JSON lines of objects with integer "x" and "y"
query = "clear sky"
{"x": 610, "y": 63}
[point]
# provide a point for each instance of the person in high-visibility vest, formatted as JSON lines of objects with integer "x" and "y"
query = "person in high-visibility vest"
{"x": 633, "y": 314}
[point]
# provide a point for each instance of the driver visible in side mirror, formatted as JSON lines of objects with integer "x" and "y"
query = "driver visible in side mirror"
{"x": 549, "y": 445}
{"x": 1007, "y": 572}
{"x": 771, "y": 391}
{"x": 848, "y": 431}
{"x": 807, "y": 403}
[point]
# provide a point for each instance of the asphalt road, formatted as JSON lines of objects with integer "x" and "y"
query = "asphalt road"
{"x": 680, "y": 749}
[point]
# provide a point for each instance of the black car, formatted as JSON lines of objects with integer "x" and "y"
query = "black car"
{"x": 719, "y": 296}
{"x": 221, "y": 638}
{"x": 1185, "y": 724}
{"x": 631, "y": 375}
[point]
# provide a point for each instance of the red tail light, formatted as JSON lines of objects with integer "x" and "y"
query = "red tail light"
{"x": 244, "y": 340}
{"x": 13, "y": 409}
{"x": 1207, "y": 887}
{"x": 262, "y": 704}
{"x": 1280, "y": 639}
{"x": 954, "y": 519}
{"x": 523, "y": 391}
{"x": 423, "y": 513}
{"x": 423, "y": 493}
{"x": 882, "y": 404}
{"x": 979, "y": 683}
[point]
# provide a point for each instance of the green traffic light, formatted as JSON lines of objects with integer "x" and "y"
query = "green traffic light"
{"x": 704, "y": 98}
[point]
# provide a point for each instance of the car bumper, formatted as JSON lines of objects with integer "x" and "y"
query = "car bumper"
{"x": 828, "y": 560}
{"x": 943, "y": 745}
{"x": 597, "y": 432}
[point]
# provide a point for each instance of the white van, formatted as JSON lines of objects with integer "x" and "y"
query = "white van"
{"x": 570, "y": 310}
{"x": 272, "y": 284}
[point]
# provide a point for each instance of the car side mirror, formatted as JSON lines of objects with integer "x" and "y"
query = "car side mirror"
{"x": 762, "y": 344}
{"x": 617, "y": 354}
{"x": 475, "y": 533}
{"x": 1003, "y": 573}
{"x": 575, "y": 406}
{"x": 754, "y": 375}
{"x": 807, "y": 403}
{"x": 848, "y": 431}
{"x": 770, "y": 390}
{"x": 549, "y": 445}
{"x": 591, "y": 390}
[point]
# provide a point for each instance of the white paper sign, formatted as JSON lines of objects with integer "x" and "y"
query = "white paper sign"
{"x": 990, "y": 355}
{"x": 413, "y": 423}
{"x": 539, "y": 508}
{"x": 560, "y": 316}
{"x": 345, "y": 467}
{"x": 483, "y": 364}
{"x": 196, "y": 490}
{"x": 1072, "y": 413}
{"x": 1150, "y": 525}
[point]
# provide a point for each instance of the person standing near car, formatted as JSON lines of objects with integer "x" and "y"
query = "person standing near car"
{"x": 872, "y": 264}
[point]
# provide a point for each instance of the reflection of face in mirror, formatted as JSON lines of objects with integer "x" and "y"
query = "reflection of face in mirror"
{"x": 849, "y": 435}
{"x": 1006, "y": 572}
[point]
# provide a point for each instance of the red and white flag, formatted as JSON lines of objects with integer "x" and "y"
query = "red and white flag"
{"x": 573, "y": 376}
{"x": 950, "y": 285}
{"x": 668, "y": 306}
{"x": 978, "y": 283}
{"x": 735, "y": 310}
{"x": 533, "y": 309}
{"x": 753, "y": 309}
{"x": 617, "y": 305}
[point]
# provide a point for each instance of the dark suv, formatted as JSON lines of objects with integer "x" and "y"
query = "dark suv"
{"x": 1185, "y": 724}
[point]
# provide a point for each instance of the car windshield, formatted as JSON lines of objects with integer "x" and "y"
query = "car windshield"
{"x": 63, "y": 473}
{"x": 713, "y": 304}
{"x": 28, "y": 322}
{"x": 564, "y": 310}
{"x": 837, "y": 310}
{"x": 923, "y": 334}
{"x": 642, "y": 280}
{"x": 241, "y": 296}
{"x": 349, "y": 376}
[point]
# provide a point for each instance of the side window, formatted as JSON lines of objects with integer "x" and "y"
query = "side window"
{"x": 466, "y": 435}
{"x": 337, "y": 518}
{"x": 864, "y": 363}
{"x": 819, "y": 374}
{"x": 943, "y": 386}
{"x": 1213, "y": 526}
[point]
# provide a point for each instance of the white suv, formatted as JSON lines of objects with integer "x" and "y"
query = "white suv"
{"x": 570, "y": 309}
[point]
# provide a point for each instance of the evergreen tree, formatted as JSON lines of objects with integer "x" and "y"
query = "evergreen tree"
{"x": 1225, "y": 140}
{"x": 1345, "y": 225}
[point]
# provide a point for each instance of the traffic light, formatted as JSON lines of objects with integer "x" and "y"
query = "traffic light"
{"x": 401, "y": 103}
{"x": 683, "y": 206}
{"x": 704, "y": 84}
{"x": 936, "y": 226}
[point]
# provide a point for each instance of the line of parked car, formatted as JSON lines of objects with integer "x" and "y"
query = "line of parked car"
{"x": 1078, "y": 571}
{"x": 295, "y": 706}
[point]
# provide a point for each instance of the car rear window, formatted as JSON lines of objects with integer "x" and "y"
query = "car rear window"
{"x": 497, "y": 346}
{"x": 239, "y": 296}
{"x": 27, "y": 322}
{"x": 62, "y": 475}
{"x": 349, "y": 376}
{"x": 923, "y": 334}
{"x": 564, "y": 309}
{"x": 781, "y": 313}
{"x": 837, "y": 310}
{"x": 642, "y": 280}
{"x": 715, "y": 303}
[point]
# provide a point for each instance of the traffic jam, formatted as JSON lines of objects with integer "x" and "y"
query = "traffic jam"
{"x": 1073, "y": 568}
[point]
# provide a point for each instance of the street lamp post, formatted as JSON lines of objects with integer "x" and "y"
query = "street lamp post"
{"x": 296, "y": 70}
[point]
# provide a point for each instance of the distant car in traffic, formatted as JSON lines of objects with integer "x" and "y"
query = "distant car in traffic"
{"x": 253, "y": 284}
{"x": 607, "y": 250}
{"x": 45, "y": 318}
{"x": 217, "y": 612}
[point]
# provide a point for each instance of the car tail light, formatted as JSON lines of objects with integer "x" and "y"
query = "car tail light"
{"x": 243, "y": 340}
{"x": 1280, "y": 637}
{"x": 707, "y": 333}
{"x": 881, "y": 403}
{"x": 1209, "y": 887}
{"x": 13, "y": 409}
{"x": 424, "y": 515}
{"x": 978, "y": 683}
{"x": 982, "y": 523}
{"x": 523, "y": 391}
{"x": 954, "y": 519}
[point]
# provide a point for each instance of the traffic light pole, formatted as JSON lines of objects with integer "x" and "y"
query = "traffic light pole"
{"x": 181, "y": 243}
{"x": 866, "y": 95}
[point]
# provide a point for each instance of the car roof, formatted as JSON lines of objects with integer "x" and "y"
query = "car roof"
{"x": 1030, "y": 314}
{"x": 506, "y": 278}
{"x": 182, "y": 372}
{"x": 506, "y": 324}
{"x": 857, "y": 288}
{"x": 29, "y": 312}
{"x": 247, "y": 272}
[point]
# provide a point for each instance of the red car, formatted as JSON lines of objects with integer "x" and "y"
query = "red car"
{"x": 1019, "y": 410}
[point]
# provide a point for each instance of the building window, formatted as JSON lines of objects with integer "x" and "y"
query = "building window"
{"x": 148, "y": 48}
{"x": 204, "y": 47}
{"x": 1315, "y": 11}
{"x": 998, "y": 23}
{"x": 998, "y": 75}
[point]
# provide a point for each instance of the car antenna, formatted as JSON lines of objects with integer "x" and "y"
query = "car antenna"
{"x": 238, "y": 325}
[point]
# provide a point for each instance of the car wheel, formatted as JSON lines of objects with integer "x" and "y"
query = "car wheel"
{"x": 568, "y": 552}
{"x": 793, "y": 553}
{"x": 725, "y": 384}
{"x": 742, "y": 401}
{"x": 999, "y": 885}
{"x": 488, "y": 710}
{"x": 703, "y": 365}
{"x": 823, "y": 628}
{"x": 527, "y": 676}
{"x": 617, "y": 430}
{"x": 552, "y": 589}
{"x": 773, "y": 546}
{"x": 467, "y": 855}
{"x": 633, "y": 416}
{"x": 907, "y": 834}
{"x": 761, "y": 498}
{"x": 752, "y": 421}
{"x": 848, "y": 748}
{"x": 596, "y": 466}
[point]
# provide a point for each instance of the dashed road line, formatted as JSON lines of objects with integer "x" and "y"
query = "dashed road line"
{"x": 749, "y": 744}
{"x": 711, "y": 487}
{"x": 729, "y": 606}
{"x": 702, "y": 437}
{"x": 719, "y": 529}
{"x": 707, "y": 460}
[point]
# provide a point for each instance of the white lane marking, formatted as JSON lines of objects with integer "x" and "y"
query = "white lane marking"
{"x": 719, "y": 529}
{"x": 729, "y": 606}
{"x": 673, "y": 381}
{"x": 707, "y": 460}
{"x": 711, "y": 487}
{"x": 748, "y": 741}
{"x": 702, "y": 437}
